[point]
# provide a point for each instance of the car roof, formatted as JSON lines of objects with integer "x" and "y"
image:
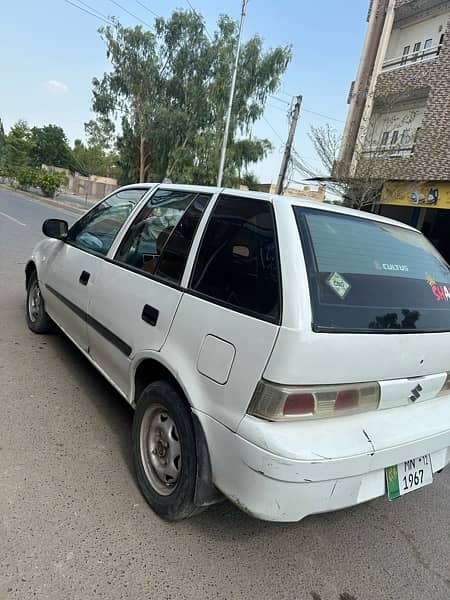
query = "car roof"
{"x": 275, "y": 199}
{"x": 134, "y": 186}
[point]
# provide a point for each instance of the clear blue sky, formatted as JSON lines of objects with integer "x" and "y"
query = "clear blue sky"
{"x": 50, "y": 51}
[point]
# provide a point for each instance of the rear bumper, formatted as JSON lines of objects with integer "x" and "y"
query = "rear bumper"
{"x": 283, "y": 487}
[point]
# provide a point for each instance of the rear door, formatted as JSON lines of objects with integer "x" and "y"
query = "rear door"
{"x": 228, "y": 319}
{"x": 75, "y": 266}
{"x": 137, "y": 292}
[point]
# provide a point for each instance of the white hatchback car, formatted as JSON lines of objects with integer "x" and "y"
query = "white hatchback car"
{"x": 288, "y": 355}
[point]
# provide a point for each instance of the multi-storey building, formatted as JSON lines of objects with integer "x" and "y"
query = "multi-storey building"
{"x": 398, "y": 124}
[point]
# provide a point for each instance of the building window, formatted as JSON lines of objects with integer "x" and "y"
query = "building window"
{"x": 405, "y": 54}
{"x": 416, "y": 50}
{"x": 406, "y": 138}
{"x": 385, "y": 138}
{"x": 428, "y": 43}
{"x": 441, "y": 41}
{"x": 394, "y": 138}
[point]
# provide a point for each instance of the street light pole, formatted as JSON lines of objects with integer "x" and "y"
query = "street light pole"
{"x": 230, "y": 101}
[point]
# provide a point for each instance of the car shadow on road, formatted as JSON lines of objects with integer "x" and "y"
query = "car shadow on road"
{"x": 111, "y": 406}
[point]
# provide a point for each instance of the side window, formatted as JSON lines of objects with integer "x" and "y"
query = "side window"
{"x": 237, "y": 263}
{"x": 174, "y": 256}
{"x": 153, "y": 231}
{"x": 98, "y": 228}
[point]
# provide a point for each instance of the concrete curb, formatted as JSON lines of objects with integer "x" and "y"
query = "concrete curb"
{"x": 50, "y": 201}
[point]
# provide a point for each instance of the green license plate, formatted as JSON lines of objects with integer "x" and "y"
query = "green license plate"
{"x": 408, "y": 476}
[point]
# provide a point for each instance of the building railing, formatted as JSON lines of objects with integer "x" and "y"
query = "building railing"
{"x": 388, "y": 152}
{"x": 411, "y": 58}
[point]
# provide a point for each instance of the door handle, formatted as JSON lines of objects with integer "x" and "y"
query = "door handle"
{"x": 150, "y": 314}
{"x": 84, "y": 277}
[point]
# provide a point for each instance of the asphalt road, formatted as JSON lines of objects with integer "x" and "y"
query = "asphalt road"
{"x": 73, "y": 524}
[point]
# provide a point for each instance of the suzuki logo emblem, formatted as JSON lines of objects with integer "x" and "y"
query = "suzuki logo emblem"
{"x": 415, "y": 393}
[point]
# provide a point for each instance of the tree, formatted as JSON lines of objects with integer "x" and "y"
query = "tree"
{"x": 2, "y": 145}
{"x": 171, "y": 88}
{"x": 93, "y": 160}
{"x": 246, "y": 152}
{"x": 18, "y": 145}
{"x": 100, "y": 134}
{"x": 360, "y": 183}
{"x": 50, "y": 147}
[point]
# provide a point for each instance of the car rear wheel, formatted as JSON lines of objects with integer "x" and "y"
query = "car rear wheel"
{"x": 164, "y": 451}
{"x": 37, "y": 319}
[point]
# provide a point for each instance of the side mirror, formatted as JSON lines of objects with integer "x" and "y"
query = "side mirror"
{"x": 55, "y": 228}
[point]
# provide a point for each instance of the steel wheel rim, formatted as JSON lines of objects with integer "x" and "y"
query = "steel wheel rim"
{"x": 160, "y": 449}
{"x": 34, "y": 302}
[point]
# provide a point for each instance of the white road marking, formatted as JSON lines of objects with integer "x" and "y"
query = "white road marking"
{"x": 35, "y": 201}
{"x": 12, "y": 219}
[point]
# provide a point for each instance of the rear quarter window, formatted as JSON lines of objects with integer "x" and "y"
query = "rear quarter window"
{"x": 237, "y": 264}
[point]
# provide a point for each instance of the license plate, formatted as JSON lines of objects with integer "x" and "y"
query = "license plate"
{"x": 408, "y": 476}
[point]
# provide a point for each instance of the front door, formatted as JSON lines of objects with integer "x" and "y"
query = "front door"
{"x": 74, "y": 267}
{"x": 66, "y": 283}
{"x": 135, "y": 299}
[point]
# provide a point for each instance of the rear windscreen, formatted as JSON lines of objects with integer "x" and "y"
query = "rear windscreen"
{"x": 370, "y": 276}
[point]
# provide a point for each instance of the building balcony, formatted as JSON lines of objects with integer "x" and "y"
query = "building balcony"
{"x": 388, "y": 152}
{"x": 405, "y": 60}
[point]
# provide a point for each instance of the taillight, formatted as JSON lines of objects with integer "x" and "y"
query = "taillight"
{"x": 286, "y": 403}
{"x": 299, "y": 404}
{"x": 445, "y": 389}
{"x": 347, "y": 399}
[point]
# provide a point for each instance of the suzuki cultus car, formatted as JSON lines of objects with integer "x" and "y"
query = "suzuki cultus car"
{"x": 289, "y": 355}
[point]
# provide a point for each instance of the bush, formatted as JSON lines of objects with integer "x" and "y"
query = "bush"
{"x": 27, "y": 177}
{"x": 50, "y": 182}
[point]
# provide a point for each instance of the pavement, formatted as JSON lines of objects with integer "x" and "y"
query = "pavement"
{"x": 74, "y": 526}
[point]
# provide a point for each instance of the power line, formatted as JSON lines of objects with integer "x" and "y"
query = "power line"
{"x": 286, "y": 93}
{"x": 307, "y": 109}
{"x": 324, "y": 116}
{"x": 152, "y": 12}
{"x": 274, "y": 130}
{"x": 283, "y": 110}
{"x": 131, "y": 14}
{"x": 199, "y": 15}
{"x": 93, "y": 9}
{"x": 280, "y": 100}
{"x": 89, "y": 12}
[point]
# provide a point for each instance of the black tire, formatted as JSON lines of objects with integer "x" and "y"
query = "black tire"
{"x": 37, "y": 319}
{"x": 163, "y": 430}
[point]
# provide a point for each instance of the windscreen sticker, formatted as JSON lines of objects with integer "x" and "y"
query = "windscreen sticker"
{"x": 389, "y": 266}
{"x": 440, "y": 291}
{"x": 339, "y": 285}
{"x": 430, "y": 280}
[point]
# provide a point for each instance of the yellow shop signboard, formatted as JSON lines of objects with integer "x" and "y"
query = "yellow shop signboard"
{"x": 433, "y": 194}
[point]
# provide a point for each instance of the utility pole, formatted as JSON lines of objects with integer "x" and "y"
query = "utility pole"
{"x": 230, "y": 101}
{"x": 288, "y": 147}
